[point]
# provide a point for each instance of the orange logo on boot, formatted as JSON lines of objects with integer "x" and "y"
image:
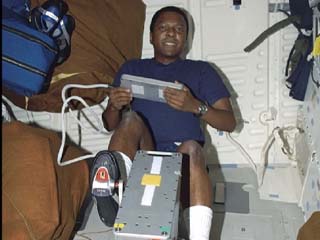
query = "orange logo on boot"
{"x": 102, "y": 175}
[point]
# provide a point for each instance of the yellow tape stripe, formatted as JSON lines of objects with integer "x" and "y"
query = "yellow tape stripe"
{"x": 316, "y": 47}
{"x": 118, "y": 225}
{"x": 151, "y": 179}
{"x": 61, "y": 76}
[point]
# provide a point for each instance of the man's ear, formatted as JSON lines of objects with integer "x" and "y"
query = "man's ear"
{"x": 150, "y": 38}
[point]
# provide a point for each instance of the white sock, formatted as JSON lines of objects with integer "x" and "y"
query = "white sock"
{"x": 198, "y": 222}
{"x": 127, "y": 163}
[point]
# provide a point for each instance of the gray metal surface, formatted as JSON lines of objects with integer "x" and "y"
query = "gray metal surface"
{"x": 138, "y": 220}
{"x": 247, "y": 217}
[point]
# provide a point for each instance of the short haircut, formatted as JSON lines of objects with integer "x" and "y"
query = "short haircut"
{"x": 169, "y": 9}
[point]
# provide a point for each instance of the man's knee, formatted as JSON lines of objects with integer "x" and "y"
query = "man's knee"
{"x": 131, "y": 119}
{"x": 194, "y": 150}
{"x": 130, "y": 116}
{"x": 190, "y": 148}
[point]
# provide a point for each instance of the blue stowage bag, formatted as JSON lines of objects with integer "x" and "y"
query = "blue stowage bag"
{"x": 21, "y": 7}
{"x": 28, "y": 55}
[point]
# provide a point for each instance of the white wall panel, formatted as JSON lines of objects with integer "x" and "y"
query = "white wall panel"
{"x": 309, "y": 156}
{"x": 310, "y": 164}
{"x": 286, "y": 107}
{"x": 226, "y": 30}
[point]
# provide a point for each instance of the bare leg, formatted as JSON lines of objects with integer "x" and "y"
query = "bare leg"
{"x": 196, "y": 185}
{"x": 131, "y": 134}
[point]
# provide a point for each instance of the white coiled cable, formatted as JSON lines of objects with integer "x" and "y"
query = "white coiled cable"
{"x": 65, "y": 100}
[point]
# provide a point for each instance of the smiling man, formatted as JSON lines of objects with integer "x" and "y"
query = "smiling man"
{"x": 171, "y": 126}
{"x": 168, "y": 35}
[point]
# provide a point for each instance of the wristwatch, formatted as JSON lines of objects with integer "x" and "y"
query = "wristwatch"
{"x": 203, "y": 108}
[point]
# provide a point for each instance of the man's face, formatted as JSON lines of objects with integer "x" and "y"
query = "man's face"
{"x": 168, "y": 37}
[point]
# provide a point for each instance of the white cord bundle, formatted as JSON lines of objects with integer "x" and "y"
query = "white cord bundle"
{"x": 100, "y": 128}
{"x": 243, "y": 152}
{"x": 284, "y": 140}
{"x": 6, "y": 116}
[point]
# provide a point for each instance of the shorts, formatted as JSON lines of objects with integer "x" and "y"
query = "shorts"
{"x": 167, "y": 146}
{"x": 171, "y": 146}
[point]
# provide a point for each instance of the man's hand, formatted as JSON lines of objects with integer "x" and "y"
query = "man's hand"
{"x": 119, "y": 97}
{"x": 182, "y": 100}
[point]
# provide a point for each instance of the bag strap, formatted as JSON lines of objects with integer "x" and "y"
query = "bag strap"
{"x": 271, "y": 30}
{"x": 298, "y": 51}
{"x": 288, "y": 60}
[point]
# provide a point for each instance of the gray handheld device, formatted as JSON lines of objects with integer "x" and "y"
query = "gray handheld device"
{"x": 147, "y": 88}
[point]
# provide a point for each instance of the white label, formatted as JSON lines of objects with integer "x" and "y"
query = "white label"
{"x": 136, "y": 89}
{"x": 161, "y": 93}
{"x": 148, "y": 195}
{"x": 156, "y": 165}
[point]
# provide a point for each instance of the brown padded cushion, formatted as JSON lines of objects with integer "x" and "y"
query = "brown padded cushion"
{"x": 107, "y": 33}
{"x": 40, "y": 200}
{"x": 311, "y": 229}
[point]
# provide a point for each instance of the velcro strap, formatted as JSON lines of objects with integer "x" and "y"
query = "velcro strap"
{"x": 49, "y": 14}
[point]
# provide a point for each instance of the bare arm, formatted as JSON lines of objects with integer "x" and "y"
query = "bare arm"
{"x": 118, "y": 98}
{"x": 219, "y": 115}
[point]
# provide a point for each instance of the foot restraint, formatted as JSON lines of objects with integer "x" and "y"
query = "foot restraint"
{"x": 105, "y": 177}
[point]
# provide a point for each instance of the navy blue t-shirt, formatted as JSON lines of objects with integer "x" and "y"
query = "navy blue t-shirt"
{"x": 168, "y": 125}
